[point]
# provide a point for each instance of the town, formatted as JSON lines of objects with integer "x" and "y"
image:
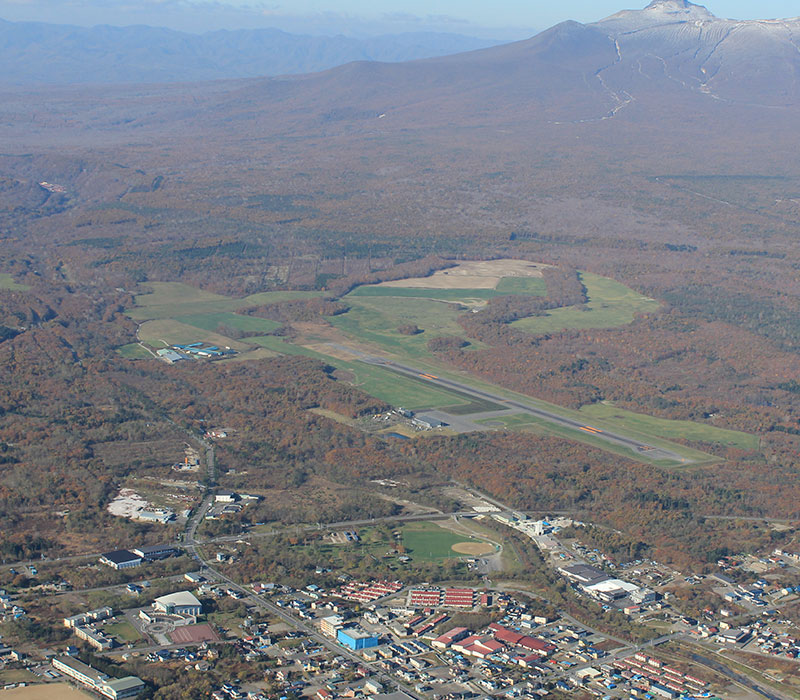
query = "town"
{"x": 179, "y": 606}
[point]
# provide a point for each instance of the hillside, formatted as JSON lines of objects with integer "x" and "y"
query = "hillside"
{"x": 39, "y": 53}
{"x": 600, "y": 148}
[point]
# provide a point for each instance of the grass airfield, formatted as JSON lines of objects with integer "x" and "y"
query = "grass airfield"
{"x": 175, "y": 313}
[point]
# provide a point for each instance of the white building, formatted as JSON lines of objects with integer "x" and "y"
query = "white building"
{"x": 181, "y": 603}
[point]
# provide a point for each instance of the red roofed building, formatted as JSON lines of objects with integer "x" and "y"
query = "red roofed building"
{"x": 454, "y": 635}
{"x": 507, "y": 636}
{"x": 478, "y": 647}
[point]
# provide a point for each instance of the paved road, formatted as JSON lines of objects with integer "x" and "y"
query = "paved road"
{"x": 639, "y": 448}
{"x": 302, "y": 626}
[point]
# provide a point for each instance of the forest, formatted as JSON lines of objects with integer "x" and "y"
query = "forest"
{"x": 701, "y": 222}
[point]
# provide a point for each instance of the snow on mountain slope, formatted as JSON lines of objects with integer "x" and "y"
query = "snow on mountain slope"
{"x": 749, "y": 62}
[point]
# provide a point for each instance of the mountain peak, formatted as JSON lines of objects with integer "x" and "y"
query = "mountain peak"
{"x": 656, "y": 13}
{"x": 679, "y": 7}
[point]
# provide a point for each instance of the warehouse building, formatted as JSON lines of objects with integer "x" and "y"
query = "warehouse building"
{"x": 356, "y": 639}
{"x": 120, "y": 559}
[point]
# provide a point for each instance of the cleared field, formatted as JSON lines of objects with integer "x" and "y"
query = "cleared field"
{"x": 174, "y": 299}
{"x": 134, "y": 351}
{"x": 257, "y": 354}
{"x": 211, "y": 321}
{"x": 610, "y": 304}
{"x": 532, "y": 286}
{"x": 16, "y": 675}
{"x": 164, "y": 332}
{"x": 7, "y": 282}
{"x": 430, "y": 541}
{"x": 477, "y": 274}
{"x": 661, "y": 427}
{"x": 376, "y": 320}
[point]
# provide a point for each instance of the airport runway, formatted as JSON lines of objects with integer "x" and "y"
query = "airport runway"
{"x": 637, "y": 447}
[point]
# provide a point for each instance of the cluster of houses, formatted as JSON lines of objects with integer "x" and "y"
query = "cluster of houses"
{"x": 367, "y": 591}
{"x": 647, "y": 675}
{"x": 11, "y": 611}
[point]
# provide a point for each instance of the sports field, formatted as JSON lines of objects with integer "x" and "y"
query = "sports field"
{"x": 7, "y": 282}
{"x": 611, "y": 304}
{"x": 124, "y": 631}
{"x": 430, "y": 541}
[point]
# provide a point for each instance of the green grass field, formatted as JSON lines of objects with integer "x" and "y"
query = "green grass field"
{"x": 174, "y": 300}
{"x": 540, "y": 426}
{"x": 134, "y": 351}
{"x": 211, "y": 321}
{"x": 7, "y": 282}
{"x": 532, "y": 286}
{"x": 430, "y": 541}
{"x": 376, "y": 320}
{"x": 164, "y": 332}
{"x": 124, "y": 631}
{"x": 661, "y": 427}
{"x": 611, "y": 304}
{"x": 395, "y": 389}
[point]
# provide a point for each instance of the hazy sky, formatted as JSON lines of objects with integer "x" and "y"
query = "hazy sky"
{"x": 502, "y": 19}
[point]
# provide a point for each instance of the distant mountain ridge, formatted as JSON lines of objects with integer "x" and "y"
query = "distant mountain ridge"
{"x": 40, "y": 53}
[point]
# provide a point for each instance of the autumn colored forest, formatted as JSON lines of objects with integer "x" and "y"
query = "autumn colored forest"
{"x": 261, "y": 186}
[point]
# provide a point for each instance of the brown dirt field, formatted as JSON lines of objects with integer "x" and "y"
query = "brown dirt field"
{"x": 48, "y": 691}
{"x": 330, "y": 350}
{"x": 472, "y": 275}
{"x": 783, "y": 669}
{"x": 475, "y": 549}
{"x": 194, "y": 634}
{"x": 316, "y": 336}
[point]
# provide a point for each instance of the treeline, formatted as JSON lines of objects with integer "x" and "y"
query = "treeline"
{"x": 662, "y": 509}
{"x": 314, "y": 309}
{"x": 491, "y": 324}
